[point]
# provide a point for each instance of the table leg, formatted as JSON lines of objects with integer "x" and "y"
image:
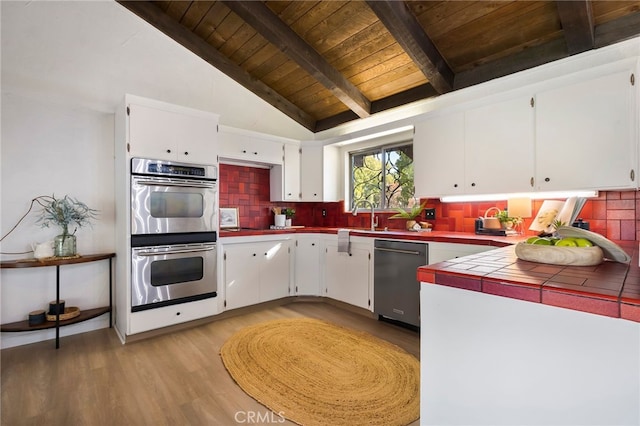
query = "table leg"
{"x": 58, "y": 304}
{"x": 110, "y": 293}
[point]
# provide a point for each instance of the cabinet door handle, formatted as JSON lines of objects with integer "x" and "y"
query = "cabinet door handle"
{"x": 547, "y": 179}
{"x": 473, "y": 184}
{"x": 168, "y": 151}
{"x": 531, "y": 182}
{"x": 186, "y": 153}
{"x": 455, "y": 185}
{"x": 244, "y": 151}
{"x": 255, "y": 153}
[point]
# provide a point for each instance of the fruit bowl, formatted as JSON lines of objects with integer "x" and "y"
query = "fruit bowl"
{"x": 554, "y": 255}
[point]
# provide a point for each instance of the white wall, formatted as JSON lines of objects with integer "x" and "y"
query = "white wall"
{"x": 490, "y": 360}
{"x": 65, "y": 67}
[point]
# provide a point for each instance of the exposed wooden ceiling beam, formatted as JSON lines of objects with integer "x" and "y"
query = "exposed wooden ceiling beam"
{"x": 528, "y": 58}
{"x": 617, "y": 30}
{"x": 399, "y": 99}
{"x": 577, "y": 23}
{"x": 269, "y": 25}
{"x": 408, "y": 32}
{"x": 156, "y": 17}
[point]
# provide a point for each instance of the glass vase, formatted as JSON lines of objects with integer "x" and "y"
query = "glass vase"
{"x": 64, "y": 246}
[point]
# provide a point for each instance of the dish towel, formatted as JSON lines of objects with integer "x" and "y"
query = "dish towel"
{"x": 343, "y": 241}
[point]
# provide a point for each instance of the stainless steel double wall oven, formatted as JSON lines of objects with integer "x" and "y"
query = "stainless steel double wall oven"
{"x": 173, "y": 232}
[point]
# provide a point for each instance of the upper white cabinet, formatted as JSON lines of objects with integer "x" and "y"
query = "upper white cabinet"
{"x": 438, "y": 152}
{"x": 575, "y": 132}
{"x": 244, "y": 146}
{"x": 586, "y": 134}
{"x": 171, "y": 133}
{"x": 285, "y": 179}
{"x": 478, "y": 151}
{"x": 320, "y": 173}
{"x": 499, "y": 146}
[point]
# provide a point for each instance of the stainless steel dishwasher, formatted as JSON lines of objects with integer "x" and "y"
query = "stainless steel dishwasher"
{"x": 396, "y": 291}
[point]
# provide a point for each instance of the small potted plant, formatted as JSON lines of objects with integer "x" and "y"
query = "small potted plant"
{"x": 289, "y": 213}
{"x": 64, "y": 212}
{"x": 507, "y": 221}
{"x": 410, "y": 214}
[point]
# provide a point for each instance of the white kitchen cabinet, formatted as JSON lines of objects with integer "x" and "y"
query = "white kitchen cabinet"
{"x": 153, "y": 319}
{"x": 440, "y": 252}
{"x": 320, "y": 173}
{"x": 348, "y": 275}
{"x": 586, "y": 134}
{"x": 308, "y": 270}
{"x": 476, "y": 151}
{"x": 285, "y": 179}
{"x": 438, "y": 155}
{"x": 172, "y": 134}
{"x": 236, "y": 145}
{"x": 255, "y": 272}
{"x": 499, "y": 146}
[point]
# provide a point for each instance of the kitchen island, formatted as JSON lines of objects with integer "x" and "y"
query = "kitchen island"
{"x": 505, "y": 341}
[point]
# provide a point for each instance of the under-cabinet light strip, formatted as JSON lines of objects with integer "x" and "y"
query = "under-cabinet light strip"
{"x": 532, "y": 195}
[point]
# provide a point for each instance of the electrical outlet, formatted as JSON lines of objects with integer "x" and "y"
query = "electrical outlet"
{"x": 430, "y": 214}
{"x": 324, "y": 212}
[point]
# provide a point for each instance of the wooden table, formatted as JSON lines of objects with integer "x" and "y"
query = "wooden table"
{"x": 58, "y": 262}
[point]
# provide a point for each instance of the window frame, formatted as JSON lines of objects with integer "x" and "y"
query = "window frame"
{"x": 374, "y": 149}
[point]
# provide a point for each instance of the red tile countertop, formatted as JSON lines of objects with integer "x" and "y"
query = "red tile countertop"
{"x": 437, "y": 236}
{"x": 611, "y": 289}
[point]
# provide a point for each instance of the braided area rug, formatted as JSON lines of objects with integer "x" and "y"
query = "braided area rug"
{"x": 316, "y": 373}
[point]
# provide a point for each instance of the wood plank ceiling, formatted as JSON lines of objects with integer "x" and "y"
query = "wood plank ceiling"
{"x": 324, "y": 63}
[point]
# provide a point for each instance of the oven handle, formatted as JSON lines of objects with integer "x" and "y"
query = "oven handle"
{"x": 178, "y": 251}
{"x": 188, "y": 184}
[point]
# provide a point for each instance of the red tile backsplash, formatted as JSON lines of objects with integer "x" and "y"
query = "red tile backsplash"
{"x": 614, "y": 214}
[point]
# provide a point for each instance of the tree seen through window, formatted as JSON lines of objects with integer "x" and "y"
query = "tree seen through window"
{"x": 383, "y": 176}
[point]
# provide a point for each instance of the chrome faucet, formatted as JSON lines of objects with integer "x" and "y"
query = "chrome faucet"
{"x": 374, "y": 220}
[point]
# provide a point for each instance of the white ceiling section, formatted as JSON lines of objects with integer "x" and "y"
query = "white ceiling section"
{"x": 88, "y": 54}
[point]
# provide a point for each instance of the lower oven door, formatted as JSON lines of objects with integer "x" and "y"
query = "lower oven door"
{"x": 166, "y": 275}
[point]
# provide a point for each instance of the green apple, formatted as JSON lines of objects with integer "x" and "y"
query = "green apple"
{"x": 542, "y": 242}
{"x": 583, "y": 242}
{"x": 567, "y": 242}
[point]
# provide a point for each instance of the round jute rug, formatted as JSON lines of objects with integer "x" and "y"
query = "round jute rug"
{"x": 316, "y": 373}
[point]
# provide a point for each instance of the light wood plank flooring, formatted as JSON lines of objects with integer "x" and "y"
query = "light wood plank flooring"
{"x": 171, "y": 379}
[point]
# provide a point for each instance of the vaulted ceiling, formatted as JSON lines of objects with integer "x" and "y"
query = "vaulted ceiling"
{"x": 324, "y": 63}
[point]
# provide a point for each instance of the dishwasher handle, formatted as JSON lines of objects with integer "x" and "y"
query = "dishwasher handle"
{"x": 414, "y": 252}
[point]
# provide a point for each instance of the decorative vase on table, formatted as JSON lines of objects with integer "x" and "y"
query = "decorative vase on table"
{"x": 64, "y": 245}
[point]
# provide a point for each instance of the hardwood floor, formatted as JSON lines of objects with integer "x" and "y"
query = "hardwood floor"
{"x": 171, "y": 379}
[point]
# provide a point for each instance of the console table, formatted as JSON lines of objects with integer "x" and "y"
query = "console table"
{"x": 84, "y": 315}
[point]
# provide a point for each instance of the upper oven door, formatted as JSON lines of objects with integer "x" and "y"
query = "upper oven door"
{"x": 166, "y": 205}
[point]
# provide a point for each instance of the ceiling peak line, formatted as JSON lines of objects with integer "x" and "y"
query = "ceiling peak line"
{"x": 269, "y": 25}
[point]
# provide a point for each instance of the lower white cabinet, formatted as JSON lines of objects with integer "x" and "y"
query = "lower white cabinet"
{"x": 439, "y": 252}
{"x": 348, "y": 275}
{"x": 307, "y": 266}
{"x": 256, "y": 272}
{"x": 153, "y": 319}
